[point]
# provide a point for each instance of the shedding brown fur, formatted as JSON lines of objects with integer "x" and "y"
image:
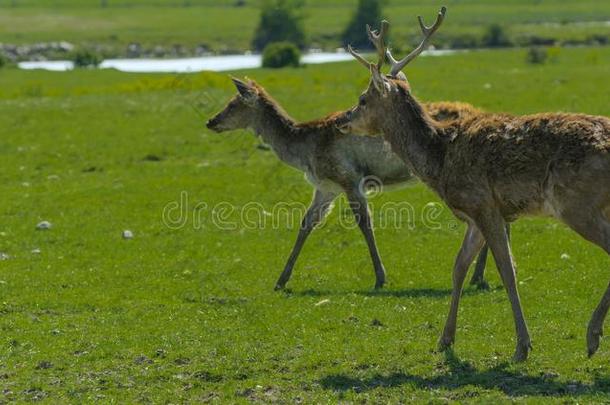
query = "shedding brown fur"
{"x": 491, "y": 169}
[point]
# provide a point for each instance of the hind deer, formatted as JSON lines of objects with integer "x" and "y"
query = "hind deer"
{"x": 491, "y": 169}
{"x": 333, "y": 163}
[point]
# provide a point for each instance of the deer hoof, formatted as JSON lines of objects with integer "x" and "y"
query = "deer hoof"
{"x": 279, "y": 287}
{"x": 593, "y": 338}
{"x": 521, "y": 352}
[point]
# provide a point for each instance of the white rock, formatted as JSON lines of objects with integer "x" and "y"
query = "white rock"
{"x": 565, "y": 256}
{"x": 4, "y": 256}
{"x": 36, "y": 251}
{"x": 127, "y": 234}
{"x": 44, "y": 225}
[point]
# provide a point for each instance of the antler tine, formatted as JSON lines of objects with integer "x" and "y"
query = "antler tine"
{"x": 359, "y": 58}
{"x": 397, "y": 66}
{"x": 377, "y": 38}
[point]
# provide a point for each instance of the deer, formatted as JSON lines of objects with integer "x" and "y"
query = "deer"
{"x": 333, "y": 163}
{"x": 491, "y": 169}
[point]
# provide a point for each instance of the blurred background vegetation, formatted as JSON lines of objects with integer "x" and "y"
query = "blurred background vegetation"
{"x": 175, "y": 28}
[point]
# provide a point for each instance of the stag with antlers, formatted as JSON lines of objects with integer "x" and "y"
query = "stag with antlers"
{"x": 332, "y": 162}
{"x": 491, "y": 169}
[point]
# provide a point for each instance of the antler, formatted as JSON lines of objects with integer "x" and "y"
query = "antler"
{"x": 397, "y": 66}
{"x": 378, "y": 40}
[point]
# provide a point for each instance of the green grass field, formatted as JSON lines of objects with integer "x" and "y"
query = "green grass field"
{"x": 222, "y": 27}
{"x": 189, "y": 314}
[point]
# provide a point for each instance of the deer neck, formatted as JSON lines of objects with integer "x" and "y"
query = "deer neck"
{"x": 416, "y": 138}
{"x": 280, "y": 132}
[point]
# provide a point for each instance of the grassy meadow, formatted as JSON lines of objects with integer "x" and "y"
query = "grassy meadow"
{"x": 223, "y": 27}
{"x": 188, "y": 314}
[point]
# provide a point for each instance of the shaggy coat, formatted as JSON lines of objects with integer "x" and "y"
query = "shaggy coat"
{"x": 491, "y": 169}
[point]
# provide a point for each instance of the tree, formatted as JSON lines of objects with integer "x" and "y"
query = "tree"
{"x": 495, "y": 37}
{"x": 281, "y": 54}
{"x": 368, "y": 12}
{"x": 281, "y": 20}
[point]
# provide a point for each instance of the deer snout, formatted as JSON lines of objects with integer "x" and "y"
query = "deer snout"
{"x": 214, "y": 125}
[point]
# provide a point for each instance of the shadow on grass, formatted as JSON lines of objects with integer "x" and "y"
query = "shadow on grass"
{"x": 424, "y": 292}
{"x": 403, "y": 293}
{"x": 462, "y": 374}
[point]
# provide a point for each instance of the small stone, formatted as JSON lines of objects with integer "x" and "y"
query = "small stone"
{"x": 44, "y": 365}
{"x": 565, "y": 256}
{"x": 4, "y": 256}
{"x": 550, "y": 375}
{"x": 323, "y": 302}
{"x": 44, "y": 225}
{"x": 36, "y": 251}
{"x": 182, "y": 361}
{"x": 127, "y": 234}
{"x": 142, "y": 360}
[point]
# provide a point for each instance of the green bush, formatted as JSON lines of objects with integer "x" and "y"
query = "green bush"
{"x": 86, "y": 58}
{"x": 537, "y": 55}
{"x": 368, "y": 12}
{"x": 496, "y": 37}
{"x": 463, "y": 41}
{"x": 281, "y": 54}
{"x": 281, "y": 20}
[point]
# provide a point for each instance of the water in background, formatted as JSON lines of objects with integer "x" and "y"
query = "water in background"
{"x": 211, "y": 63}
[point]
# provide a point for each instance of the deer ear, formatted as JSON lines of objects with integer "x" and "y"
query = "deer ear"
{"x": 403, "y": 78}
{"x": 247, "y": 92}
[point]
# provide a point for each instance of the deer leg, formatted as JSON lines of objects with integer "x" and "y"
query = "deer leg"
{"x": 478, "y": 278}
{"x": 595, "y": 227}
{"x": 493, "y": 227}
{"x": 360, "y": 210}
{"x": 319, "y": 207}
{"x": 470, "y": 247}
{"x": 595, "y": 329}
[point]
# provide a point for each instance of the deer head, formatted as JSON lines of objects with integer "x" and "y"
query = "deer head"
{"x": 368, "y": 116}
{"x": 238, "y": 113}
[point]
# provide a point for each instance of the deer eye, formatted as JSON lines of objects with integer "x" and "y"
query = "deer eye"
{"x": 362, "y": 101}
